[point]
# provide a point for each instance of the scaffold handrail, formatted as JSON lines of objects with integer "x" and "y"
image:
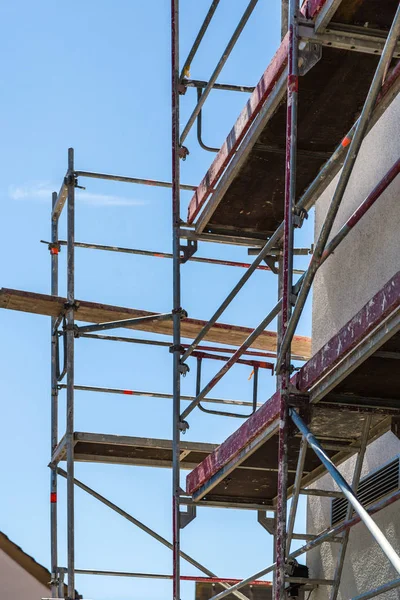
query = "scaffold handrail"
{"x": 225, "y": 55}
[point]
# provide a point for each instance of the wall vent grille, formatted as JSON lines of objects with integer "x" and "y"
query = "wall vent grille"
{"x": 374, "y": 486}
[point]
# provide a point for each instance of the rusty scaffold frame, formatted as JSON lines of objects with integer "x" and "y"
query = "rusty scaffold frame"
{"x": 288, "y": 309}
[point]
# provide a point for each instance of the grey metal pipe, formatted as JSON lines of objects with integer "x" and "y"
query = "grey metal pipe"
{"x": 219, "y": 349}
{"x": 193, "y": 578}
{"x": 355, "y": 145}
{"x": 199, "y": 128}
{"x": 386, "y": 587}
{"x": 140, "y": 181}
{"x": 199, "y": 37}
{"x": 196, "y": 83}
{"x": 200, "y": 259}
{"x": 376, "y": 533}
{"x": 70, "y": 374}
{"x": 280, "y": 538}
{"x": 232, "y": 360}
{"x": 123, "y": 323}
{"x": 54, "y": 408}
{"x": 124, "y": 392}
{"x": 284, "y": 17}
{"x": 176, "y": 300}
{"x": 60, "y": 201}
{"x": 356, "y": 480}
{"x": 296, "y": 493}
{"x": 143, "y": 527}
{"x": 250, "y": 7}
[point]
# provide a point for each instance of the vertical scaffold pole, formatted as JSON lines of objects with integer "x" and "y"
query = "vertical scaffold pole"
{"x": 176, "y": 297}
{"x": 54, "y": 405}
{"x": 284, "y": 17}
{"x": 287, "y": 276}
{"x": 70, "y": 374}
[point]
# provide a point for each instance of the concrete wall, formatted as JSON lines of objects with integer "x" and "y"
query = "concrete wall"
{"x": 18, "y": 584}
{"x": 365, "y": 567}
{"x": 361, "y": 265}
{"x": 369, "y": 256}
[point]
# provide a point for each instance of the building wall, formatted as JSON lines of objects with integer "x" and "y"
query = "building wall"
{"x": 18, "y": 584}
{"x": 369, "y": 256}
{"x": 366, "y": 566}
{"x": 361, "y": 265}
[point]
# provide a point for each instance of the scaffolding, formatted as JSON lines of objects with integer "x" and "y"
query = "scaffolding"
{"x": 307, "y": 32}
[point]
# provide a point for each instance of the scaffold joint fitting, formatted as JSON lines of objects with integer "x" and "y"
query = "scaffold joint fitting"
{"x": 177, "y": 348}
{"x": 183, "y": 152}
{"x": 183, "y": 426}
{"x": 183, "y": 369}
{"x": 180, "y": 311}
{"x": 54, "y": 247}
{"x": 299, "y": 215}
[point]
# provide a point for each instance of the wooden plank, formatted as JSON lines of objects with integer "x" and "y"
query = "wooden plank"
{"x": 93, "y": 312}
{"x": 245, "y": 119}
{"x": 385, "y": 302}
{"x": 232, "y": 446}
{"x": 147, "y": 452}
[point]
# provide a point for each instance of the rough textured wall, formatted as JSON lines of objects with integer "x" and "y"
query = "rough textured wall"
{"x": 365, "y": 567}
{"x": 361, "y": 265}
{"x": 370, "y": 254}
{"x": 18, "y": 584}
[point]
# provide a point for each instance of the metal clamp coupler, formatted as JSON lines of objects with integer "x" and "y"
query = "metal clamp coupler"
{"x": 54, "y": 247}
{"x": 180, "y": 311}
{"x": 299, "y": 215}
{"x": 183, "y": 152}
{"x": 74, "y": 305}
{"x": 183, "y": 426}
{"x": 177, "y": 348}
{"x": 182, "y": 88}
{"x": 183, "y": 368}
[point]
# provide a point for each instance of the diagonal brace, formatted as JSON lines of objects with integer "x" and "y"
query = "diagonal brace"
{"x": 370, "y": 524}
{"x": 146, "y": 529}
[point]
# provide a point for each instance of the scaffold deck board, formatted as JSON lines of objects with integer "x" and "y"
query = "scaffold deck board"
{"x": 242, "y": 192}
{"x": 127, "y": 450}
{"x": 260, "y": 590}
{"x": 356, "y": 12}
{"x": 355, "y": 371}
{"x": 94, "y": 312}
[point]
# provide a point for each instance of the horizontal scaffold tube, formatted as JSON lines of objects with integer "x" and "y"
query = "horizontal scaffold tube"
{"x": 126, "y": 392}
{"x": 138, "y": 180}
{"x": 196, "y": 578}
{"x": 199, "y": 259}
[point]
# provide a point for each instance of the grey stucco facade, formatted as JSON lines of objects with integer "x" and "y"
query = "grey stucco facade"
{"x": 364, "y": 262}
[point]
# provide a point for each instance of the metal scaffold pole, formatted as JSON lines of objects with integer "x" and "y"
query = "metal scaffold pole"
{"x": 70, "y": 374}
{"x": 284, "y": 17}
{"x": 54, "y": 405}
{"x": 287, "y": 285}
{"x": 355, "y": 483}
{"x": 175, "y": 79}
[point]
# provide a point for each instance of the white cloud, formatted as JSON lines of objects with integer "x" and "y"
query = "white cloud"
{"x": 41, "y": 191}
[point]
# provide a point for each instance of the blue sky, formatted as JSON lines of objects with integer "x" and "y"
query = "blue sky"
{"x": 96, "y": 76}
